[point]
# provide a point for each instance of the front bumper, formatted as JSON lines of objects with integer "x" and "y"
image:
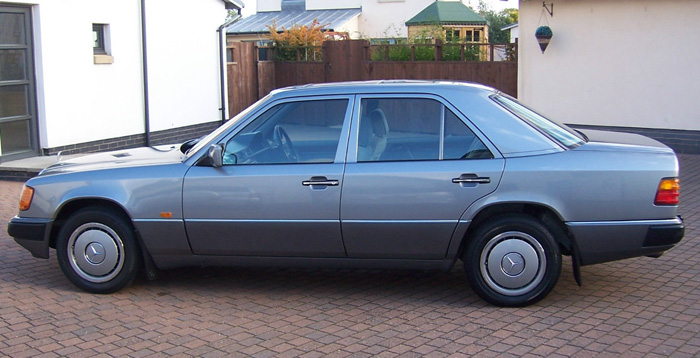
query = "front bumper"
{"x": 605, "y": 241}
{"x": 32, "y": 234}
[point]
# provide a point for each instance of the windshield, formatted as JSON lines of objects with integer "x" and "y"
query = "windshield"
{"x": 557, "y": 131}
{"x": 211, "y": 136}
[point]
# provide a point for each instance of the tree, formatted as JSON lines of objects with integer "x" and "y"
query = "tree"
{"x": 496, "y": 21}
{"x": 499, "y": 20}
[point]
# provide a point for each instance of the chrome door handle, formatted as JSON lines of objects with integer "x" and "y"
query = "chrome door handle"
{"x": 471, "y": 179}
{"x": 321, "y": 181}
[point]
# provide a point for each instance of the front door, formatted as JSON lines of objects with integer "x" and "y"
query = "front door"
{"x": 417, "y": 168}
{"x": 278, "y": 192}
{"x": 18, "y": 137}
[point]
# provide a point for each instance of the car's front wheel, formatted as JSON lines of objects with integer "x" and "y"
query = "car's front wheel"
{"x": 97, "y": 250}
{"x": 512, "y": 260}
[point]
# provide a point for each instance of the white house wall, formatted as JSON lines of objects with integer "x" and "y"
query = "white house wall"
{"x": 351, "y": 27}
{"x": 387, "y": 18}
{"x": 79, "y": 101}
{"x": 333, "y": 4}
{"x": 183, "y": 62}
{"x": 269, "y": 5}
{"x": 514, "y": 34}
{"x": 613, "y": 62}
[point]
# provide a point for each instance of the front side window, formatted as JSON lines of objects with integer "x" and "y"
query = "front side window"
{"x": 292, "y": 132}
{"x": 403, "y": 129}
{"x": 558, "y": 132}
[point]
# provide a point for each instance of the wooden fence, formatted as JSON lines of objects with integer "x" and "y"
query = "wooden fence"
{"x": 355, "y": 60}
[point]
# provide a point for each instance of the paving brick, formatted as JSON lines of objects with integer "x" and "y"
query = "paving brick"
{"x": 636, "y": 307}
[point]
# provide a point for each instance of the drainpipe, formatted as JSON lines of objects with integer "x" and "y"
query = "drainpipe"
{"x": 144, "y": 54}
{"x": 222, "y": 63}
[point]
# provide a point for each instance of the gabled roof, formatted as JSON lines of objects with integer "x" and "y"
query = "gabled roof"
{"x": 447, "y": 13}
{"x": 257, "y": 24}
{"x": 508, "y": 27}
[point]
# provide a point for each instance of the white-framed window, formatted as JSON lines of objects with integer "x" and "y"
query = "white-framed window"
{"x": 99, "y": 36}
{"x": 101, "y": 45}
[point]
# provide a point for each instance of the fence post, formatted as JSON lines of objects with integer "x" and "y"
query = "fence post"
{"x": 438, "y": 50}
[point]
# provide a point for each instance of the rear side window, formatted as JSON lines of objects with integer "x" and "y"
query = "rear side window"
{"x": 403, "y": 129}
{"x": 556, "y": 131}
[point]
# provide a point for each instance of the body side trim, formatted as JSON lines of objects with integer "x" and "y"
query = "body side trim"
{"x": 625, "y": 222}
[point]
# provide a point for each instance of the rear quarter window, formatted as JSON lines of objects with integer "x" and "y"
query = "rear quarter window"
{"x": 560, "y": 133}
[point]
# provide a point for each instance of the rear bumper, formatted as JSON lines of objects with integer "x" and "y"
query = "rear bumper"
{"x": 605, "y": 241}
{"x": 32, "y": 234}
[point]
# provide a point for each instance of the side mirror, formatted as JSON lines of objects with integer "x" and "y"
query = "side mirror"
{"x": 216, "y": 155}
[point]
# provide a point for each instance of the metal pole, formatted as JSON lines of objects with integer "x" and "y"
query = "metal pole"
{"x": 146, "y": 109}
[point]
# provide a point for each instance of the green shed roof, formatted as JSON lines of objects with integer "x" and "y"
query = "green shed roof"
{"x": 447, "y": 12}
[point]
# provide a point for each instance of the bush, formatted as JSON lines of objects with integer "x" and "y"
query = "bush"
{"x": 307, "y": 40}
{"x": 425, "y": 52}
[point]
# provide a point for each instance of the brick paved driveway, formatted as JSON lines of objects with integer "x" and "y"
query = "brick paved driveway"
{"x": 636, "y": 307}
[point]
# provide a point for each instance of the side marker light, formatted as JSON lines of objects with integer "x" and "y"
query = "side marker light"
{"x": 25, "y": 200}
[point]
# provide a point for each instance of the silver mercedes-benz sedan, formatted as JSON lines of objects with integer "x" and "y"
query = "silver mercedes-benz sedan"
{"x": 383, "y": 174}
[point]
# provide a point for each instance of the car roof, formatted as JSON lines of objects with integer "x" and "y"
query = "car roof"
{"x": 380, "y": 86}
{"x": 510, "y": 135}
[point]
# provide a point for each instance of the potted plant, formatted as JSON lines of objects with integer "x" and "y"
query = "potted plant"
{"x": 543, "y": 35}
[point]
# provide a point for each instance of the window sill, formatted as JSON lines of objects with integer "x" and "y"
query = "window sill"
{"x": 103, "y": 59}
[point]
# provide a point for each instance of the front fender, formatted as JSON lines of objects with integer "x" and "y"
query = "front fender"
{"x": 142, "y": 192}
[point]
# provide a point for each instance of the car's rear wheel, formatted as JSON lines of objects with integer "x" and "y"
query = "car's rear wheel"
{"x": 97, "y": 250}
{"x": 512, "y": 260}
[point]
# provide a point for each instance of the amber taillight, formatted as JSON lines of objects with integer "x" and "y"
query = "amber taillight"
{"x": 668, "y": 192}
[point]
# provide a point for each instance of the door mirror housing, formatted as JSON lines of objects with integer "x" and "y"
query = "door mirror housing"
{"x": 216, "y": 155}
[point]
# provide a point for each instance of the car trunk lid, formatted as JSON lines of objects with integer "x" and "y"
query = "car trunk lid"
{"x": 599, "y": 140}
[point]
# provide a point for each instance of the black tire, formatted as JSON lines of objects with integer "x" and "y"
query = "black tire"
{"x": 512, "y": 260}
{"x": 97, "y": 250}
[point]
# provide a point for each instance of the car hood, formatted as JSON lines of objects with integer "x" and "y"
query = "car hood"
{"x": 118, "y": 159}
{"x": 619, "y": 141}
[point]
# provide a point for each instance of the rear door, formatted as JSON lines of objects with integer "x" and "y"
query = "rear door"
{"x": 414, "y": 167}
